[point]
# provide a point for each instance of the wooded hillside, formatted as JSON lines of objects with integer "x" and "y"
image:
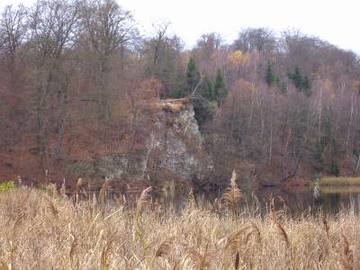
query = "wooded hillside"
{"x": 75, "y": 75}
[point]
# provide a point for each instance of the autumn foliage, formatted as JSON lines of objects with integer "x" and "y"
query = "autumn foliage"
{"x": 78, "y": 80}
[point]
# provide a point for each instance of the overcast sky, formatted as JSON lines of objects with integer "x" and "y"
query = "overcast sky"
{"x": 335, "y": 21}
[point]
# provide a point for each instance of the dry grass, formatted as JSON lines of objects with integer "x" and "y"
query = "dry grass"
{"x": 41, "y": 230}
{"x": 173, "y": 105}
{"x": 340, "y": 181}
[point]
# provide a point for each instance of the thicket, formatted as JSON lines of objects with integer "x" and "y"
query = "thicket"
{"x": 76, "y": 73}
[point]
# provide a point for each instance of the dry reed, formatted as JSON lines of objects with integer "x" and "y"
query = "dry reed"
{"x": 40, "y": 230}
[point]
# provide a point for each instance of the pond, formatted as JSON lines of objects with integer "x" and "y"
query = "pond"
{"x": 329, "y": 199}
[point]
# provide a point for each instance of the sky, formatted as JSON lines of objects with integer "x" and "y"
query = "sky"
{"x": 335, "y": 21}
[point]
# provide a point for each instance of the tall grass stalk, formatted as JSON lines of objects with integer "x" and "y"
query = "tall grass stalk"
{"x": 43, "y": 231}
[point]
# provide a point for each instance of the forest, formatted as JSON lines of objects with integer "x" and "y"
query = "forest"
{"x": 75, "y": 75}
{"x": 121, "y": 149}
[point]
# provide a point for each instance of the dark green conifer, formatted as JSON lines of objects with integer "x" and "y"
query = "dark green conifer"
{"x": 192, "y": 76}
{"x": 208, "y": 89}
{"x": 270, "y": 77}
{"x": 220, "y": 88}
{"x": 302, "y": 83}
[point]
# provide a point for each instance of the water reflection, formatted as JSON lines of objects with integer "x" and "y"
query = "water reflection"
{"x": 329, "y": 200}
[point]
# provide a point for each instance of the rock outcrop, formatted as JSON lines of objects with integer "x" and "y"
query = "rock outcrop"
{"x": 171, "y": 149}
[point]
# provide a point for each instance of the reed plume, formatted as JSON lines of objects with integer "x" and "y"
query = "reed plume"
{"x": 232, "y": 194}
{"x": 283, "y": 234}
{"x": 103, "y": 194}
{"x": 164, "y": 248}
{"x": 141, "y": 203}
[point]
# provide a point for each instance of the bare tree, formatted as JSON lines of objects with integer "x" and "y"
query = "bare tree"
{"x": 12, "y": 30}
{"x": 162, "y": 55}
{"x": 52, "y": 34}
{"x": 159, "y": 39}
{"x": 260, "y": 39}
{"x": 208, "y": 53}
{"x": 107, "y": 30}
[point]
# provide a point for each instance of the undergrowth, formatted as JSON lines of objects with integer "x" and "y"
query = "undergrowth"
{"x": 42, "y": 230}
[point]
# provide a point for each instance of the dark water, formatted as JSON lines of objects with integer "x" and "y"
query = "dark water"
{"x": 330, "y": 201}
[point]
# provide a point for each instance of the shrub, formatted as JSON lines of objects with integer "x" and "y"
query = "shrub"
{"x": 7, "y": 185}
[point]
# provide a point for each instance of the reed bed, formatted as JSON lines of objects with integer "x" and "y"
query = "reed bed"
{"x": 46, "y": 230}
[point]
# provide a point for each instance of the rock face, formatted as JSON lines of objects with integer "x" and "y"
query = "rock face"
{"x": 177, "y": 138}
{"x": 172, "y": 149}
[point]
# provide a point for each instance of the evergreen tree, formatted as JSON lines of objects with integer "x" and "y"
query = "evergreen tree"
{"x": 270, "y": 76}
{"x": 208, "y": 90}
{"x": 220, "y": 88}
{"x": 302, "y": 83}
{"x": 178, "y": 89}
{"x": 306, "y": 86}
{"x": 192, "y": 76}
{"x": 297, "y": 78}
{"x": 177, "y": 92}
